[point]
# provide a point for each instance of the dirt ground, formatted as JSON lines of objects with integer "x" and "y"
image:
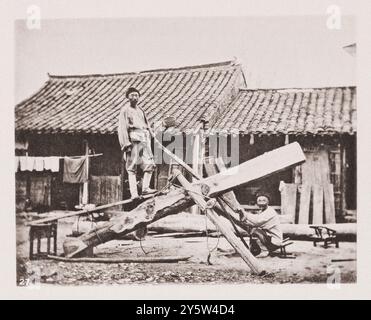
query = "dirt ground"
{"x": 309, "y": 265}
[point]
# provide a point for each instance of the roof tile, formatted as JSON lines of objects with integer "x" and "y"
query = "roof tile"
{"x": 291, "y": 111}
{"x": 91, "y": 103}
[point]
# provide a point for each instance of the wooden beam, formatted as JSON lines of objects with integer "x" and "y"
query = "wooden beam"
{"x": 84, "y": 198}
{"x": 147, "y": 212}
{"x": 262, "y": 166}
{"x": 226, "y": 230}
{"x": 165, "y": 259}
{"x": 86, "y": 211}
{"x": 197, "y": 160}
{"x": 212, "y": 167}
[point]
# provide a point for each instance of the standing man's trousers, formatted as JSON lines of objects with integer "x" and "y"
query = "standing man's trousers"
{"x": 140, "y": 156}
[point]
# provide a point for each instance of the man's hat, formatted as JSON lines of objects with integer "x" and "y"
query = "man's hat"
{"x": 263, "y": 194}
{"x": 130, "y": 90}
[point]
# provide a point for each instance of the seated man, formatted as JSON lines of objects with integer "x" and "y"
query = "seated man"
{"x": 265, "y": 225}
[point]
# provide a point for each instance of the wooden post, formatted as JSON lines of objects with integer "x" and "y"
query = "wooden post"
{"x": 226, "y": 230}
{"x": 343, "y": 181}
{"x": 197, "y": 159}
{"x": 85, "y": 186}
{"x": 214, "y": 166}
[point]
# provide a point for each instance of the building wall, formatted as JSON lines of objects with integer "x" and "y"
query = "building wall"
{"x": 330, "y": 159}
{"x": 109, "y": 185}
{"x": 48, "y": 188}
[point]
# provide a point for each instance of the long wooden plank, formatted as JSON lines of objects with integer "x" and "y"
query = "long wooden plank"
{"x": 229, "y": 207}
{"x": 288, "y": 200}
{"x": 229, "y": 197}
{"x": 328, "y": 190}
{"x": 165, "y": 259}
{"x": 213, "y": 167}
{"x": 304, "y": 204}
{"x": 80, "y": 212}
{"x": 270, "y": 162}
{"x": 317, "y": 204}
{"x": 227, "y": 232}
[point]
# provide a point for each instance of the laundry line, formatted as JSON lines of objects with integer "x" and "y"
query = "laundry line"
{"x": 32, "y": 163}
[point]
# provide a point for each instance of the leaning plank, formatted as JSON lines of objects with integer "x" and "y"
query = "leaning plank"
{"x": 317, "y": 204}
{"x": 228, "y": 205}
{"x": 328, "y": 190}
{"x": 169, "y": 259}
{"x": 245, "y": 254}
{"x": 304, "y": 204}
{"x": 213, "y": 167}
{"x": 230, "y": 196}
{"x": 288, "y": 199}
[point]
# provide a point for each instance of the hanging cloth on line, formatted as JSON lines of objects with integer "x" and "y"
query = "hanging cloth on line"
{"x": 39, "y": 164}
{"x": 51, "y": 163}
{"x": 75, "y": 170}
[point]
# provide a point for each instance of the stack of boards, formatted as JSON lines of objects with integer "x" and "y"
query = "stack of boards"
{"x": 308, "y": 204}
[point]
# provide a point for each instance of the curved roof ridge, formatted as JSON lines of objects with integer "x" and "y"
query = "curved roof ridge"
{"x": 108, "y": 75}
{"x": 297, "y": 88}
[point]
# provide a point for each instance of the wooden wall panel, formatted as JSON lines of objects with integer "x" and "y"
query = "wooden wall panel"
{"x": 104, "y": 189}
{"x": 40, "y": 189}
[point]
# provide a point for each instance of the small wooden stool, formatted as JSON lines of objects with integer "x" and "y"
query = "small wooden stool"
{"x": 286, "y": 242}
{"x": 324, "y": 234}
{"x": 42, "y": 231}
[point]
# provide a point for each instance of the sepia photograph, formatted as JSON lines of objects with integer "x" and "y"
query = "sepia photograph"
{"x": 185, "y": 150}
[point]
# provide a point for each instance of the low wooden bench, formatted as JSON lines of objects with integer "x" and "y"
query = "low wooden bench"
{"x": 39, "y": 232}
{"x": 325, "y": 234}
{"x": 283, "y": 253}
{"x": 286, "y": 242}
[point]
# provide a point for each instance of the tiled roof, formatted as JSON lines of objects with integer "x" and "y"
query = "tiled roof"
{"x": 91, "y": 103}
{"x": 291, "y": 111}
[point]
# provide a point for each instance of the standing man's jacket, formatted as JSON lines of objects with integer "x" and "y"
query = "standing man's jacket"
{"x": 132, "y": 123}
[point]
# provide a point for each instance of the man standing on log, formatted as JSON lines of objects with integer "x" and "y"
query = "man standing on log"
{"x": 265, "y": 225}
{"x": 135, "y": 141}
